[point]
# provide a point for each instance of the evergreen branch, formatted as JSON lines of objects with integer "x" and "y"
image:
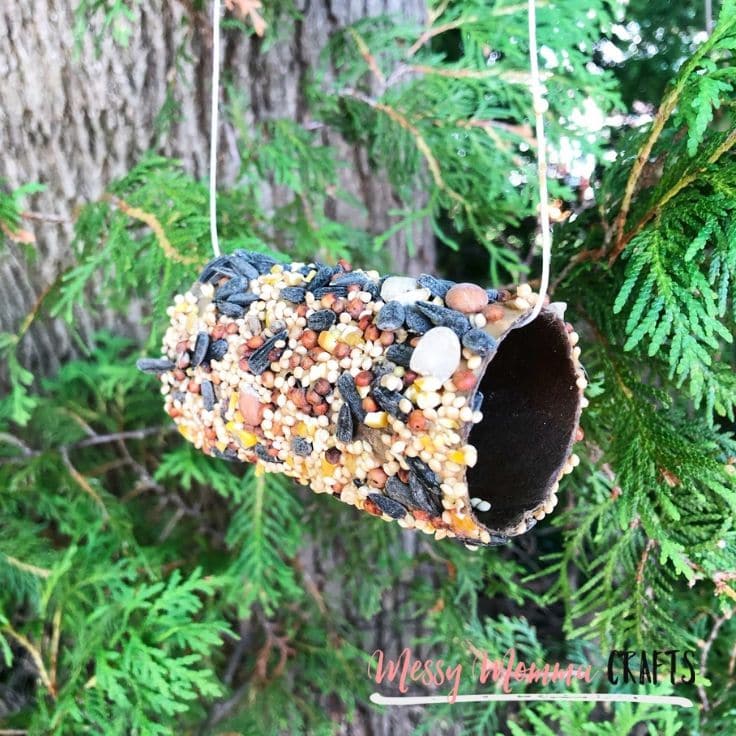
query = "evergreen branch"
{"x": 666, "y": 108}
{"x": 369, "y": 58}
{"x": 97, "y": 439}
{"x": 157, "y": 228}
{"x": 430, "y": 33}
{"x": 40, "y": 572}
{"x": 728, "y": 143}
{"x": 83, "y": 483}
{"x": 420, "y": 142}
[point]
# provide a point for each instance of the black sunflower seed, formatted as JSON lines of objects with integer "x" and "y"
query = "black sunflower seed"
{"x": 338, "y": 291}
{"x": 155, "y": 365}
{"x": 208, "y": 395}
{"x": 422, "y": 499}
{"x": 345, "y": 429}
{"x": 293, "y": 294}
{"x": 178, "y": 395}
{"x": 416, "y": 321}
{"x": 321, "y": 320}
{"x": 350, "y": 279}
{"x": 216, "y": 268}
{"x": 346, "y": 386}
{"x": 321, "y": 278}
{"x": 244, "y": 299}
{"x": 233, "y": 286}
{"x": 262, "y": 262}
{"x": 243, "y": 266}
{"x": 217, "y": 350}
{"x": 234, "y": 311}
{"x": 498, "y": 539}
{"x": 391, "y": 316}
{"x": 259, "y": 361}
{"x": 492, "y": 295}
{"x": 300, "y": 446}
{"x": 399, "y": 491}
{"x": 388, "y": 505}
{"x": 373, "y": 289}
{"x": 400, "y": 353}
{"x": 479, "y": 342}
{"x": 444, "y": 317}
{"x": 427, "y": 477}
{"x": 437, "y": 287}
{"x": 477, "y": 401}
{"x": 389, "y": 402}
{"x": 201, "y": 345}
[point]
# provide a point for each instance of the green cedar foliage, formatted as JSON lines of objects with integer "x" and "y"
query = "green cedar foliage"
{"x": 152, "y": 590}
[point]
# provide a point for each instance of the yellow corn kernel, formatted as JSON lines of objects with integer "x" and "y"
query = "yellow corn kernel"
{"x": 246, "y": 439}
{"x": 376, "y": 419}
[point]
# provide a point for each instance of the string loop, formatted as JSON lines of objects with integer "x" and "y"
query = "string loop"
{"x": 540, "y": 107}
{"x": 214, "y": 124}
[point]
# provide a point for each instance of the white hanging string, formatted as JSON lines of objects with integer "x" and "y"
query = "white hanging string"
{"x": 540, "y": 107}
{"x": 214, "y": 123}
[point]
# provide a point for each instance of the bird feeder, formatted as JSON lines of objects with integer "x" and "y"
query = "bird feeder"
{"x": 437, "y": 405}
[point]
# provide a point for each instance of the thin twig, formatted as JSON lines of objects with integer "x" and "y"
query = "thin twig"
{"x": 83, "y": 483}
{"x": 368, "y": 57}
{"x": 40, "y": 572}
{"x": 706, "y": 651}
{"x": 421, "y": 144}
{"x": 45, "y": 217}
{"x": 682, "y": 183}
{"x": 663, "y": 115}
{"x": 149, "y": 219}
{"x": 35, "y": 655}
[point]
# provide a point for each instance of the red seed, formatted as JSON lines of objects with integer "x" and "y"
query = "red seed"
{"x": 355, "y": 307}
{"x": 372, "y": 333}
{"x": 342, "y": 350}
{"x": 322, "y": 386}
{"x": 308, "y": 338}
{"x": 218, "y": 331}
{"x": 255, "y": 342}
{"x": 369, "y": 404}
{"x": 464, "y": 379}
{"x": 493, "y": 313}
{"x": 417, "y": 421}
{"x": 377, "y": 477}
{"x": 313, "y": 397}
{"x": 364, "y": 378}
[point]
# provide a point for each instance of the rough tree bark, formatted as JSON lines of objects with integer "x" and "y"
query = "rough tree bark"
{"x": 74, "y": 122}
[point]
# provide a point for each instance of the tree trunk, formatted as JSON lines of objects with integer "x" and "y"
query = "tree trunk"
{"x": 74, "y": 119}
{"x": 75, "y": 122}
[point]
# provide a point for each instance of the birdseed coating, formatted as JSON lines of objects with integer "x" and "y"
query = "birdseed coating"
{"x": 305, "y": 370}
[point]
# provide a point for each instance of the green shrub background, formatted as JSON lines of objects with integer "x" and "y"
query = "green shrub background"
{"x": 148, "y": 589}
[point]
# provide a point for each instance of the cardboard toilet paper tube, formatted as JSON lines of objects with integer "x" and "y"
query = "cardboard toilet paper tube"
{"x": 434, "y": 404}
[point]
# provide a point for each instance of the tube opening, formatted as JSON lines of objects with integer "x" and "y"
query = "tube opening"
{"x": 530, "y": 406}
